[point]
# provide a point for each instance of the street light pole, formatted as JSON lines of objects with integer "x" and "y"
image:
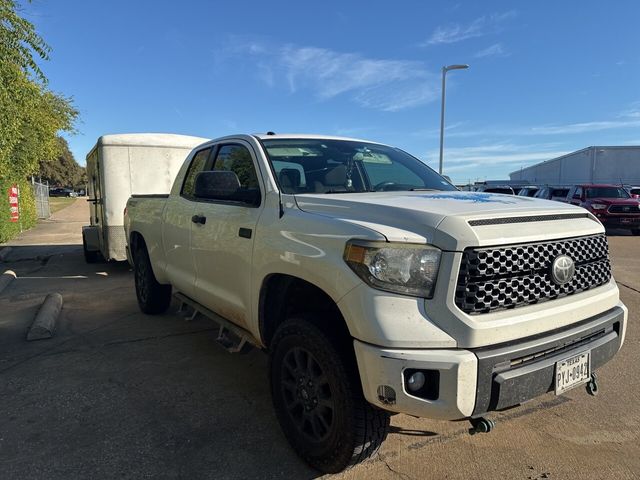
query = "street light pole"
{"x": 444, "y": 86}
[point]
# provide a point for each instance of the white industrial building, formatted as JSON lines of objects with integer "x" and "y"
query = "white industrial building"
{"x": 589, "y": 165}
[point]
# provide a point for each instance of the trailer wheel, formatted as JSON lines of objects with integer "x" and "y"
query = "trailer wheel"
{"x": 153, "y": 297}
{"x": 318, "y": 399}
{"x": 89, "y": 256}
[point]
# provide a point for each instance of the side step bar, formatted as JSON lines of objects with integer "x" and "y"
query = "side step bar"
{"x": 232, "y": 338}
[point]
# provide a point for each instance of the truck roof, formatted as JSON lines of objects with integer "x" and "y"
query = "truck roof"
{"x": 293, "y": 136}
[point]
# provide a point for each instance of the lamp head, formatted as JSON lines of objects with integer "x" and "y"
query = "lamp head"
{"x": 455, "y": 67}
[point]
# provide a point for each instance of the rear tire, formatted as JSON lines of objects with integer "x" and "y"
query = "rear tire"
{"x": 153, "y": 297}
{"x": 318, "y": 399}
{"x": 89, "y": 256}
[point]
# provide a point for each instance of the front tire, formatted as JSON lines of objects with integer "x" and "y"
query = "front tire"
{"x": 153, "y": 297}
{"x": 318, "y": 399}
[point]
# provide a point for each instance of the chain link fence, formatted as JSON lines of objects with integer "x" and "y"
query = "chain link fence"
{"x": 41, "y": 194}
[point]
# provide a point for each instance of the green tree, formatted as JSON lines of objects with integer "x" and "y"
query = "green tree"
{"x": 63, "y": 171}
{"x": 31, "y": 115}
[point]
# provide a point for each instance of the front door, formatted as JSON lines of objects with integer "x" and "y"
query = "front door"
{"x": 222, "y": 246}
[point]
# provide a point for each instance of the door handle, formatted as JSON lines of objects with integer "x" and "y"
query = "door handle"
{"x": 201, "y": 219}
{"x": 244, "y": 232}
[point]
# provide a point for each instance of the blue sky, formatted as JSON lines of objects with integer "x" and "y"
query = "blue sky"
{"x": 546, "y": 77}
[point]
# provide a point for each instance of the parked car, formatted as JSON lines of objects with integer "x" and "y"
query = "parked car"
{"x": 504, "y": 189}
{"x": 62, "y": 192}
{"x": 375, "y": 286}
{"x": 528, "y": 191}
{"x": 634, "y": 192}
{"x": 611, "y": 204}
{"x": 559, "y": 194}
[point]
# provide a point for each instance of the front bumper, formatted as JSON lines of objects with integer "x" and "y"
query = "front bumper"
{"x": 631, "y": 221}
{"x": 473, "y": 382}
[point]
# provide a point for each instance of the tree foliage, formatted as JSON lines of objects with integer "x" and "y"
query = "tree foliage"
{"x": 31, "y": 115}
{"x": 20, "y": 41}
{"x": 63, "y": 171}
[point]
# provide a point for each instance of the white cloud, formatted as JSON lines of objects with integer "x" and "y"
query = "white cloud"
{"x": 460, "y": 159}
{"x": 632, "y": 112}
{"x": 382, "y": 84}
{"x": 629, "y": 118}
{"x": 583, "y": 127}
{"x": 495, "y": 50}
{"x": 479, "y": 27}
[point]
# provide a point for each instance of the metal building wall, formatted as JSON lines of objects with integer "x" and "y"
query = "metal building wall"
{"x": 589, "y": 165}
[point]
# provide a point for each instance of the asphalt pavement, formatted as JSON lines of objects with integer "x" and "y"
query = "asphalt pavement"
{"x": 117, "y": 393}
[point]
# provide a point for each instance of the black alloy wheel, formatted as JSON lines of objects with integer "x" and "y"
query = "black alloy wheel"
{"x": 153, "y": 297}
{"x": 307, "y": 394}
{"x": 318, "y": 397}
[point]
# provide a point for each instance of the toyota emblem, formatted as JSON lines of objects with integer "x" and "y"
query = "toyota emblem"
{"x": 562, "y": 269}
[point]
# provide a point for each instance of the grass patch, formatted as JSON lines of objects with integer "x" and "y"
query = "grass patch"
{"x": 58, "y": 203}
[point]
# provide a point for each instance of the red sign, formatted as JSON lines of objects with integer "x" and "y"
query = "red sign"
{"x": 14, "y": 206}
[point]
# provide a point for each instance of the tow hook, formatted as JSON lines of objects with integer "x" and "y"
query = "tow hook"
{"x": 481, "y": 425}
{"x": 592, "y": 385}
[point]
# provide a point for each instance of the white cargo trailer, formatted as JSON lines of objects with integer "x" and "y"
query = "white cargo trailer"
{"x": 119, "y": 166}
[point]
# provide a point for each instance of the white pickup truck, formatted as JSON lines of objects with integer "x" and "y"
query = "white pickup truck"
{"x": 375, "y": 286}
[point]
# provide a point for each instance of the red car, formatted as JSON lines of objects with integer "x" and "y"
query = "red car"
{"x": 611, "y": 204}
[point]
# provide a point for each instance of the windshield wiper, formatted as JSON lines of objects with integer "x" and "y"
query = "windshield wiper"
{"x": 341, "y": 191}
{"x": 423, "y": 190}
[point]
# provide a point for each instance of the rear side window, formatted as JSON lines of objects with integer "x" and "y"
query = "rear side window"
{"x": 198, "y": 164}
{"x": 237, "y": 159}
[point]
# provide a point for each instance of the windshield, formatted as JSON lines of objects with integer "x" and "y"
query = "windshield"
{"x": 607, "y": 192}
{"x": 506, "y": 191}
{"x": 528, "y": 192}
{"x": 343, "y": 166}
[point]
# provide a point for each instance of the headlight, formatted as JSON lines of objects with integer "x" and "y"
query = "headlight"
{"x": 598, "y": 206}
{"x": 395, "y": 267}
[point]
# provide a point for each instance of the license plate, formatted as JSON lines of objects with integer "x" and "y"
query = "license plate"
{"x": 572, "y": 371}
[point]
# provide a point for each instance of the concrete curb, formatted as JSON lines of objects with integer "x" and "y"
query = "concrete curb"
{"x": 6, "y": 278}
{"x": 4, "y": 253}
{"x": 45, "y": 322}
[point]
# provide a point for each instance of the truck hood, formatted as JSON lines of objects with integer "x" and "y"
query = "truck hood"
{"x": 443, "y": 218}
{"x": 615, "y": 201}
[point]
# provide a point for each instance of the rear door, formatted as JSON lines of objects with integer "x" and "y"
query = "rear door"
{"x": 176, "y": 227}
{"x": 222, "y": 246}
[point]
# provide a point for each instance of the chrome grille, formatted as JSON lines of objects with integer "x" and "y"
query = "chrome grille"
{"x": 511, "y": 276}
{"x": 623, "y": 209}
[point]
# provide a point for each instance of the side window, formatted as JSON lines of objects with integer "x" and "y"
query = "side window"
{"x": 578, "y": 193}
{"x": 198, "y": 164}
{"x": 237, "y": 159}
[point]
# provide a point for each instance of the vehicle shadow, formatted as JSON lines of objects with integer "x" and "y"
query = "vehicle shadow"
{"x": 411, "y": 432}
{"x": 618, "y": 232}
{"x": 121, "y": 394}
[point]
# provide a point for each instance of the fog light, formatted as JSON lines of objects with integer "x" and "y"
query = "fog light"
{"x": 416, "y": 381}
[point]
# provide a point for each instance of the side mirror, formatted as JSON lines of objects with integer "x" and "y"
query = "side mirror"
{"x": 224, "y": 185}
